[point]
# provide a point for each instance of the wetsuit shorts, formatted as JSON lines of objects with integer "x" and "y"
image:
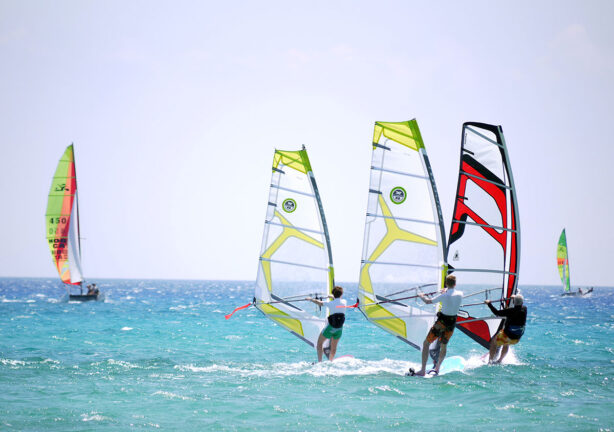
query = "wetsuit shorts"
{"x": 332, "y": 333}
{"x": 503, "y": 339}
{"x": 442, "y": 329}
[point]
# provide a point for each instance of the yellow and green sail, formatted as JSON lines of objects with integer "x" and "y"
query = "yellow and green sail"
{"x": 295, "y": 257}
{"x": 62, "y": 220}
{"x": 562, "y": 261}
{"x": 404, "y": 242}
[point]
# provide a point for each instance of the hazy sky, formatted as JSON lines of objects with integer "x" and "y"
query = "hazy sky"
{"x": 175, "y": 109}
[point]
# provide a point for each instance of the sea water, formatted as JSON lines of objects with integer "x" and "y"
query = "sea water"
{"x": 160, "y": 355}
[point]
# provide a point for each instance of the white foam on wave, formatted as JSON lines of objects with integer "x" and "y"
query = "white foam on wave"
{"x": 122, "y": 363}
{"x": 170, "y": 395}
{"x": 10, "y": 362}
{"x": 93, "y": 417}
{"x": 345, "y": 366}
{"x": 127, "y": 328}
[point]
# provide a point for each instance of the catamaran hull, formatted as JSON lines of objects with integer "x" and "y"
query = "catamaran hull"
{"x": 86, "y": 297}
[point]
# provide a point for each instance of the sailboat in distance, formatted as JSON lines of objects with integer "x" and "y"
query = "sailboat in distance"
{"x": 404, "y": 241}
{"x": 484, "y": 242}
{"x": 295, "y": 258}
{"x": 62, "y": 220}
{"x": 562, "y": 260}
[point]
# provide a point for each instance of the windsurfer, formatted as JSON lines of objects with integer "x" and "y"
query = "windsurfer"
{"x": 334, "y": 329}
{"x": 510, "y": 334}
{"x": 444, "y": 326}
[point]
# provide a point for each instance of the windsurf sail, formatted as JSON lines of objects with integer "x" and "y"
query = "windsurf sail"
{"x": 562, "y": 261}
{"x": 404, "y": 241}
{"x": 62, "y": 219}
{"x": 295, "y": 257}
{"x": 484, "y": 242}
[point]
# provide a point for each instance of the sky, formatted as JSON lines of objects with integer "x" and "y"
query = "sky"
{"x": 175, "y": 109}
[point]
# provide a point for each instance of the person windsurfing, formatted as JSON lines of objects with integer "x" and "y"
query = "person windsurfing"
{"x": 334, "y": 329}
{"x": 512, "y": 331}
{"x": 443, "y": 328}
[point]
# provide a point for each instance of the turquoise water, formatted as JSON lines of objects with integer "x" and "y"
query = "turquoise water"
{"x": 160, "y": 355}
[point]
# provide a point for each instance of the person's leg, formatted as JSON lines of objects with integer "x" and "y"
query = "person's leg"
{"x": 503, "y": 353}
{"x": 493, "y": 350}
{"x": 425, "y": 356}
{"x": 442, "y": 355}
{"x": 321, "y": 340}
{"x": 333, "y": 348}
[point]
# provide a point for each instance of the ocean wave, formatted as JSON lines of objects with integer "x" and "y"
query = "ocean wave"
{"x": 93, "y": 417}
{"x": 170, "y": 395}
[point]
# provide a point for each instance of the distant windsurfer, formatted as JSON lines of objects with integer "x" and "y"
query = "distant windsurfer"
{"x": 443, "y": 328}
{"x": 510, "y": 334}
{"x": 334, "y": 329}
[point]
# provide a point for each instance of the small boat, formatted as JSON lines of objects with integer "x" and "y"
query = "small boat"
{"x": 62, "y": 220}
{"x": 562, "y": 261}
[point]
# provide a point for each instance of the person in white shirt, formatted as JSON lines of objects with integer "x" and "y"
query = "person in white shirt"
{"x": 334, "y": 329}
{"x": 444, "y": 326}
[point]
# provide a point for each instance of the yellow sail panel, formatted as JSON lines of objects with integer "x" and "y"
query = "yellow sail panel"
{"x": 384, "y": 318}
{"x": 289, "y": 323}
{"x": 406, "y": 133}
{"x": 297, "y": 160}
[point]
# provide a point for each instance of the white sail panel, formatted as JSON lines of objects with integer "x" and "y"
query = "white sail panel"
{"x": 295, "y": 259}
{"x": 403, "y": 242}
{"x": 484, "y": 243}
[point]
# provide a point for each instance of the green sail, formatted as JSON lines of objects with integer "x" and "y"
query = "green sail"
{"x": 562, "y": 261}
{"x": 62, "y": 220}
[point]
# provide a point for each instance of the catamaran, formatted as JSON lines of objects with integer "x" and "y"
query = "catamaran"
{"x": 484, "y": 242}
{"x": 62, "y": 219}
{"x": 404, "y": 240}
{"x": 295, "y": 258}
{"x": 562, "y": 260}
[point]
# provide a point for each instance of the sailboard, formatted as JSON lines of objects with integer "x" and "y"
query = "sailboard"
{"x": 404, "y": 241}
{"x": 295, "y": 258}
{"x": 484, "y": 242}
{"x": 62, "y": 221}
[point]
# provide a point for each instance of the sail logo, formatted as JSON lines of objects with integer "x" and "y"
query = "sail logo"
{"x": 456, "y": 257}
{"x": 289, "y": 205}
{"x": 398, "y": 195}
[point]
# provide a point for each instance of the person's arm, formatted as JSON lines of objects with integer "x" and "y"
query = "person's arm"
{"x": 493, "y": 310}
{"x": 318, "y": 302}
{"x": 503, "y": 312}
{"x": 427, "y": 300}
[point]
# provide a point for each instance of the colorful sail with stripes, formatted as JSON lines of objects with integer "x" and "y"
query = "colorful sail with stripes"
{"x": 62, "y": 220}
{"x": 404, "y": 242}
{"x": 562, "y": 261}
{"x": 295, "y": 258}
{"x": 484, "y": 242}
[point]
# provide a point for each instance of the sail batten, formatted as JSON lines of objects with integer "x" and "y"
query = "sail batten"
{"x": 403, "y": 243}
{"x": 295, "y": 259}
{"x": 484, "y": 241}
